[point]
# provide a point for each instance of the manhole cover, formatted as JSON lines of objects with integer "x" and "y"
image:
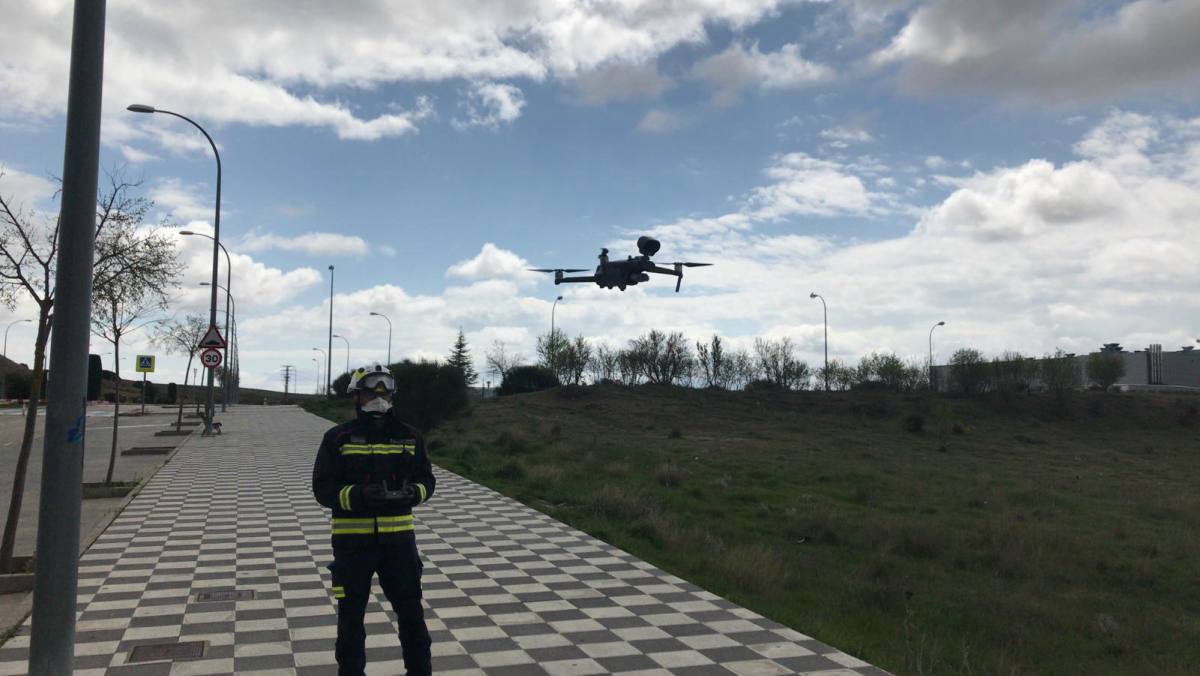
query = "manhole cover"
{"x": 188, "y": 650}
{"x": 226, "y": 595}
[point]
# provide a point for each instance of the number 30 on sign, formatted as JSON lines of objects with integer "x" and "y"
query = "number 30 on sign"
{"x": 211, "y": 358}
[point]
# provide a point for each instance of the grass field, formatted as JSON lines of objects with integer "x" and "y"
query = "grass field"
{"x": 926, "y": 535}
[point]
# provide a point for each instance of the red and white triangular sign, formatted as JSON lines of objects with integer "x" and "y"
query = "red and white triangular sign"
{"x": 212, "y": 338}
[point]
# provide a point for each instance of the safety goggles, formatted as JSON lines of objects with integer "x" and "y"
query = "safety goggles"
{"x": 378, "y": 383}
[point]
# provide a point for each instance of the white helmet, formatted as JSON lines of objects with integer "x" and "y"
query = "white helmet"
{"x": 374, "y": 378}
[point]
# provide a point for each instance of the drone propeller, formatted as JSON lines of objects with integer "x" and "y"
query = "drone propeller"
{"x": 679, "y": 271}
{"x": 557, "y": 269}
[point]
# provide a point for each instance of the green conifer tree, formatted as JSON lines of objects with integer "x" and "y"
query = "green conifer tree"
{"x": 460, "y": 357}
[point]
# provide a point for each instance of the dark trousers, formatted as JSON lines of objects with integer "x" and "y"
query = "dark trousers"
{"x": 399, "y": 569}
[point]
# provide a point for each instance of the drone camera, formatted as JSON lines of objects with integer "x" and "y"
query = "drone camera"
{"x": 648, "y": 246}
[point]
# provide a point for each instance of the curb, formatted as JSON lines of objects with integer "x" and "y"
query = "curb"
{"x": 26, "y": 605}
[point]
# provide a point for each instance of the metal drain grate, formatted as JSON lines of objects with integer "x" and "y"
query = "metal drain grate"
{"x": 226, "y": 595}
{"x": 148, "y": 450}
{"x": 154, "y": 652}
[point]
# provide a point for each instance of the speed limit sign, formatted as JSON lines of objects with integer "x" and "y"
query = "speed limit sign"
{"x": 211, "y": 358}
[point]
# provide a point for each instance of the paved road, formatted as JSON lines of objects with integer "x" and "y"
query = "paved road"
{"x": 133, "y": 431}
{"x": 508, "y": 590}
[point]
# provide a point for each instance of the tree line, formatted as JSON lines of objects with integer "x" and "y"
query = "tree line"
{"x": 670, "y": 358}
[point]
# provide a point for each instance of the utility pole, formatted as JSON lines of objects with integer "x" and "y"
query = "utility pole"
{"x": 52, "y": 639}
{"x": 287, "y": 379}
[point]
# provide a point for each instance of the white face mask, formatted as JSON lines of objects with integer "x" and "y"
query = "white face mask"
{"x": 377, "y": 405}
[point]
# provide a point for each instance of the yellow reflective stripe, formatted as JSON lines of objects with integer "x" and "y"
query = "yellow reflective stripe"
{"x": 345, "y": 521}
{"x": 421, "y": 488}
{"x": 344, "y": 497}
{"x": 403, "y": 518}
{"x": 353, "y": 531}
{"x": 396, "y": 529}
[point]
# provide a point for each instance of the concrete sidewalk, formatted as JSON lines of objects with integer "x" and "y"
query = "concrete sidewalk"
{"x": 508, "y": 590}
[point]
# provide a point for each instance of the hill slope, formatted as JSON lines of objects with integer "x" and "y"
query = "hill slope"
{"x": 1017, "y": 535}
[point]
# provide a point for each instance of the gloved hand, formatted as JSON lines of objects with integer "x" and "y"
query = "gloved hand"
{"x": 406, "y": 495}
{"x": 374, "y": 495}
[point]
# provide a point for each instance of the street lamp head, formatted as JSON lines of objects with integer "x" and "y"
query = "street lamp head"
{"x": 330, "y": 267}
{"x": 140, "y": 108}
{"x": 376, "y": 314}
{"x": 559, "y": 298}
{"x": 941, "y": 323}
{"x": 186, "y": 232}
{"x": 813, "y": 294}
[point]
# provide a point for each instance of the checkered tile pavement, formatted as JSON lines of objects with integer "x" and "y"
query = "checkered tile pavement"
{"x": 508, "y": 590}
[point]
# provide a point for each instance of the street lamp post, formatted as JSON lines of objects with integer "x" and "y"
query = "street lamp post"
{"x": 329, "y": 346}
{"x": 931, "y": 387}
{"x": 209, "y": 405}
{"x": 228, "y": 338}
{"x": 824, "y": 310}
{"x": 326, "y": 358}
{"x": 389, "y": 353}
{"x": 314, "y": 359}
{"x": 4, "y": 368}
{"x": 552, "y": 309}
{"x": 347, "y": 350}
{"x": 230, "y": 301}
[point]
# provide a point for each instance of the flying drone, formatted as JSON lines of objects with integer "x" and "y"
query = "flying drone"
{"x": 624, "y": 273}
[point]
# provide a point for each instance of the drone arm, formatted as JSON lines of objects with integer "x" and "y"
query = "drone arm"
{"x": 561, "y": 280}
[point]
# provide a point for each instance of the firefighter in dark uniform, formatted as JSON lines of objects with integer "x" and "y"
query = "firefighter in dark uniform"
{"x": 371, "y": 472}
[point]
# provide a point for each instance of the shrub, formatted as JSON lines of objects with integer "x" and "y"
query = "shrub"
{"x": 914, "y": 422}
{"x": 341, "y": 384}
{"x": 523, "y": 379}
{"x": 427, "y": 392}
{"x": 969, "y": 371}
{"x": 1060, "y": 373}
{"x": 1105, "y": 369}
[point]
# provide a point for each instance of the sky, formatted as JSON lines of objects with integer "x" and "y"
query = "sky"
{"x": 1027, "y": 171}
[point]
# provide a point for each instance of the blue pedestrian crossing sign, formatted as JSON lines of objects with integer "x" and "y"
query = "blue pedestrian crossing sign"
{"x": 145, "y": 363}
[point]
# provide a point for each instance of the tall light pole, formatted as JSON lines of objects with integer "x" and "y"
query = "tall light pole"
{"x": 209, "y": 406}
{"x": 931, "y": 387}
{"x": 228, "y": 338}
{"x": 52, "y": 637}
{"x": 380, "y": 314}
{"x": 329, "y": 346}
{"x": 4, "y": 371}
{"x": 825, "y": 310}
{"x": 347, "y": 350}
{"x": 552, "y": 309}
{"x": 326, "y": 358}
{"x": 318, "y": 363}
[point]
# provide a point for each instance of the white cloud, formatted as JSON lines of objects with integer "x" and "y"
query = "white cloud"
{"x": 842, "y": 136}
{"x": 269, "y": 64}
{"x": 620, "y": 82}
{"x": 1050, "y": 52}
{"x": 25, "y": 191}
{"x": 492, "y": 262}
{"x": 738, "y": 68}
{"x": 659, "y": 122}
{"x": 313, "y": 243}
{"x": 805, "y": 185}
{"x": 491, "y": 105}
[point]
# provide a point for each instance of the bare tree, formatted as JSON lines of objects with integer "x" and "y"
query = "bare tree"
{"x": 603, "y": 363}
{"x": 182, "y": 336}
{"x": 778, "y": 363}
{"x": 665, "y": 358}
{"x": 28, "y": 263}
{"x": 713, "y": 363}
{"x": 553, "y": 350}
{"x": 575, "y": 360}
{"x": 500, "y": 361}
{"x": 123, "y": 301}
